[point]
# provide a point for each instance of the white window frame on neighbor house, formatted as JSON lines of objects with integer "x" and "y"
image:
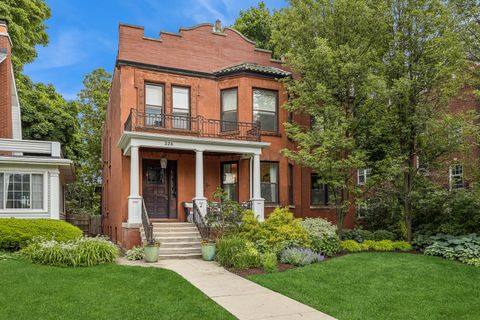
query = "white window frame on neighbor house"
{"x": 364, "y": 173}
{"x": 45, "y": 192}
{"x": 453, "y": 174}
{"x": 261, "y": 109}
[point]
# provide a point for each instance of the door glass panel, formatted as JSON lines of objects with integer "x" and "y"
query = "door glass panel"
{"x": 230, "y": 180}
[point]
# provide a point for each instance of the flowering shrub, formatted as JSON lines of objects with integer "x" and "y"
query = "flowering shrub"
{"x": 323, "y": 234}
{"x": 279, "y": 231}
{"x": 136, "y": 253}
{"x": 300, "y": 256}
{"x": 80, "y": 252}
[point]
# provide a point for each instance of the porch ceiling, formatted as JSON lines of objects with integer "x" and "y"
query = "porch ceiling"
{"x": 177, "y": 142}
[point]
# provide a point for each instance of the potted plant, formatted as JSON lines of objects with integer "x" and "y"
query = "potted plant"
{"x": 208, "y": 249}
{"x": 151, "y": 251}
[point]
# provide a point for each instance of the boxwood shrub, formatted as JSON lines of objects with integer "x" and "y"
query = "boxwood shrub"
{"x": 15, "y": 233}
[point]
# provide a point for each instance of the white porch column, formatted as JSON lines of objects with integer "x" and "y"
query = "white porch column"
{"x": 134, "y": 200}
{"x": 199, "y": 199}
{"x": 257, "y": 200}
{"x": 54, "y": 195}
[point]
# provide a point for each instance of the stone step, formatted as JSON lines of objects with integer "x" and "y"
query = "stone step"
{"x": 174, "y": 229}
{"x": 185, "y": 244}
{"x": 176, "y": 234}
{"x": 174, "y": 239}
{"x": 174, "y": 251}
{"x": 180, "y": 256}
{"x": 173, "y": 224}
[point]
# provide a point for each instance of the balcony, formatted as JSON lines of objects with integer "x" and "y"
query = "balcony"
{"x": 193, "y": 126}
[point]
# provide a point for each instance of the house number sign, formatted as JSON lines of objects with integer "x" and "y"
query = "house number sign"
{"x": 168, "y": 143}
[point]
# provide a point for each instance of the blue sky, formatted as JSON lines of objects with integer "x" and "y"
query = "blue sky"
{"x": 83, "y": 33}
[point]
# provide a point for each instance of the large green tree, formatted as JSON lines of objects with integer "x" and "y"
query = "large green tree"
{"x": 425, "y": 67}
{"x": 84, "y": 194}
{"x": 256, "y": 24}
{"x": 336, "y": 48}
{"x": 26, "y": 26}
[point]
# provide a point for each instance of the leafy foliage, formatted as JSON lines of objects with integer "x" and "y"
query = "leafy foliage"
{"x": 26, "y": 27}
{"x": 80, "y": 252}
{"x": 235, "y": 252}
{"x": 323, "y": 234}
{"x": 225, "y": 214}
{"x": 350, "y": 246}
{"x": 382, "y": 245}
{"x": 383, "y": 235}
{"x": 280, "y": 230}
{"x": 300, "y": 256}
{"x": 269, "y": 262}
{"x": 136, "y": 253}
{"x": 256, "y": 24}
{"x": 359, "y": 235}
{"x": 16, "y": 233}
{"x": 464, "y": 248}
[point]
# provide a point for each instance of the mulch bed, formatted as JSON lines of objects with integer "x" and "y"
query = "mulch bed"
{"x": 254, "y": 271}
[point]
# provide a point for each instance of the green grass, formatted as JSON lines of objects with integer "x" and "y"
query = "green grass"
{"x": 383, "y": 286}
{"x": 29, "y": 291}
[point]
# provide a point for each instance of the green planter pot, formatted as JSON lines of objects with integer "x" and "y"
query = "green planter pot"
{"x": 151, "y": 253}
{"x": 208, "y": 251}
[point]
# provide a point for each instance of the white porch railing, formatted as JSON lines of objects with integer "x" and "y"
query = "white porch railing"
{"x": 31, "y": 146}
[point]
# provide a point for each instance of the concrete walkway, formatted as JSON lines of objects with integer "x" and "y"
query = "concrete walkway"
{"x": 242, "y": 298}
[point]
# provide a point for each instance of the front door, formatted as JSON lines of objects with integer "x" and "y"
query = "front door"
{"x": 160, "y": 189}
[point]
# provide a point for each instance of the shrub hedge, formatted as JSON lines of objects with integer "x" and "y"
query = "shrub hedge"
{"x": 236, "y": 252}
{"x": 16, "y": 233}
{"x": 382, "y": 245}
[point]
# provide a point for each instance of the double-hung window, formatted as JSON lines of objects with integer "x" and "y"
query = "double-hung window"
{"x": 269, "y": 181}
{"x": 154, "y": 105}
{"x": 456, "y": 177}
{"x": 21, "y": 191}
{"x": 229, "y": 107}
{"x": 181, "y": 107}
{"x": 265, "y": 103}
{"x": 362, "y": 175}
{"x": 230, "y": 179}
{"x": 318, "y": 191}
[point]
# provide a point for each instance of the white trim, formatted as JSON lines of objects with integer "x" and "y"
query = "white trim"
{"x": 451, "y": 176}
{"x": 178, "y": 142}
{"x": 31, "y": 146}
{"x": 46, "y": 193}
{"x": 366, "y": 172}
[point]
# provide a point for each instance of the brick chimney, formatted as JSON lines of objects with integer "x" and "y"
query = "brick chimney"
{"x": 5, "y": 82}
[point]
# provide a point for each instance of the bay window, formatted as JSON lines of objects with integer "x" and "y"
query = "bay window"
{"x": 181, "y": 107}
{"x": 229, "y": 107}
{"x": 269, "y": 181}
{"x": 154, "y": 105}
{"x": 265, "y": 103}
{"x": 21, "y": 190}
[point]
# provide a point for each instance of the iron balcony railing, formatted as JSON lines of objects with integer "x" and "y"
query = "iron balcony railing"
{"x": 197, "y": 126}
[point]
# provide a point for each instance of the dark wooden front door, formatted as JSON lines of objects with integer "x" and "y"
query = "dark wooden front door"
{"x": 160, "y": 189}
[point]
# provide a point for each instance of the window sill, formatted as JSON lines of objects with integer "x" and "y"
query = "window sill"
{"x": 271, "y": 205}
{"x": 270, "y": 133}
{"x": 324, "y": 207}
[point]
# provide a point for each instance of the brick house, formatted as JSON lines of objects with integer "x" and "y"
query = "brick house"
{"x": 33, "y": 173}
{"x": 192, "y": 111}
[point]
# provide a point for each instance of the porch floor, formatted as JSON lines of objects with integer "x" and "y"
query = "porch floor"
{"x": 242, "y": 298}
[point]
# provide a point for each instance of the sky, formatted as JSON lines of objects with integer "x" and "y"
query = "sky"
{"x": 83, "y": 34}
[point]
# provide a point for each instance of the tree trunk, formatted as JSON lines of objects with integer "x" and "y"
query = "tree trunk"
{"x": 407, "y": 194}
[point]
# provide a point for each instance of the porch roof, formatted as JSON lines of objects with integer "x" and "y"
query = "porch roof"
{"x": 178, "y": 142}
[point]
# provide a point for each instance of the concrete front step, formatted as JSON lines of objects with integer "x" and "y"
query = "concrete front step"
{"x": 173, "y": 224}
{"x": 179, "y": 250}
{"x": 179, "y": 256}
{"x": 186, "y": 244}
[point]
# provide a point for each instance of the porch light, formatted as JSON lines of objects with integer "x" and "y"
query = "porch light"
{"x": 163, "y": 163}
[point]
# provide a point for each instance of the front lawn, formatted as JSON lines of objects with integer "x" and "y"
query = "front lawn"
{"x": 383, "y": 286}
{"x": 31, "y": 291}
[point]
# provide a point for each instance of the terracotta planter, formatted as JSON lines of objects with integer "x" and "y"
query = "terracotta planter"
{"x": 208, "y": 251}
{"x": 151, "y": 253}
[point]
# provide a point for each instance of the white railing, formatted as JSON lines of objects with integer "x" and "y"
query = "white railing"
{"x": 31, "y": 146}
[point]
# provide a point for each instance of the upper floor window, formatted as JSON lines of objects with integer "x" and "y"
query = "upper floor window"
{"x": 362, "y": 175}
{"x": 181, "y": 107}
{"x": 318, "y": 191}
{"x": 154, "y": 104}
{"x": 265, "y": 103}
{"x": 290, "y": 184}
{"x": 230, "y": 179}
{"x": 456, "y": 177}
{"x": 269, "y": 181}
{"x": 229, "y": 107}
{"x": 21, "y": 191}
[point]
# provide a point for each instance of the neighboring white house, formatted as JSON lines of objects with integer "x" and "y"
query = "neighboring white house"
{"x": 32, "y": 173}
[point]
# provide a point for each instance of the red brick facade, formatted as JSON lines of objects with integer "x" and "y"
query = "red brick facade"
{"x": 5, "y": 84}
{"x": 190, "y": 59}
